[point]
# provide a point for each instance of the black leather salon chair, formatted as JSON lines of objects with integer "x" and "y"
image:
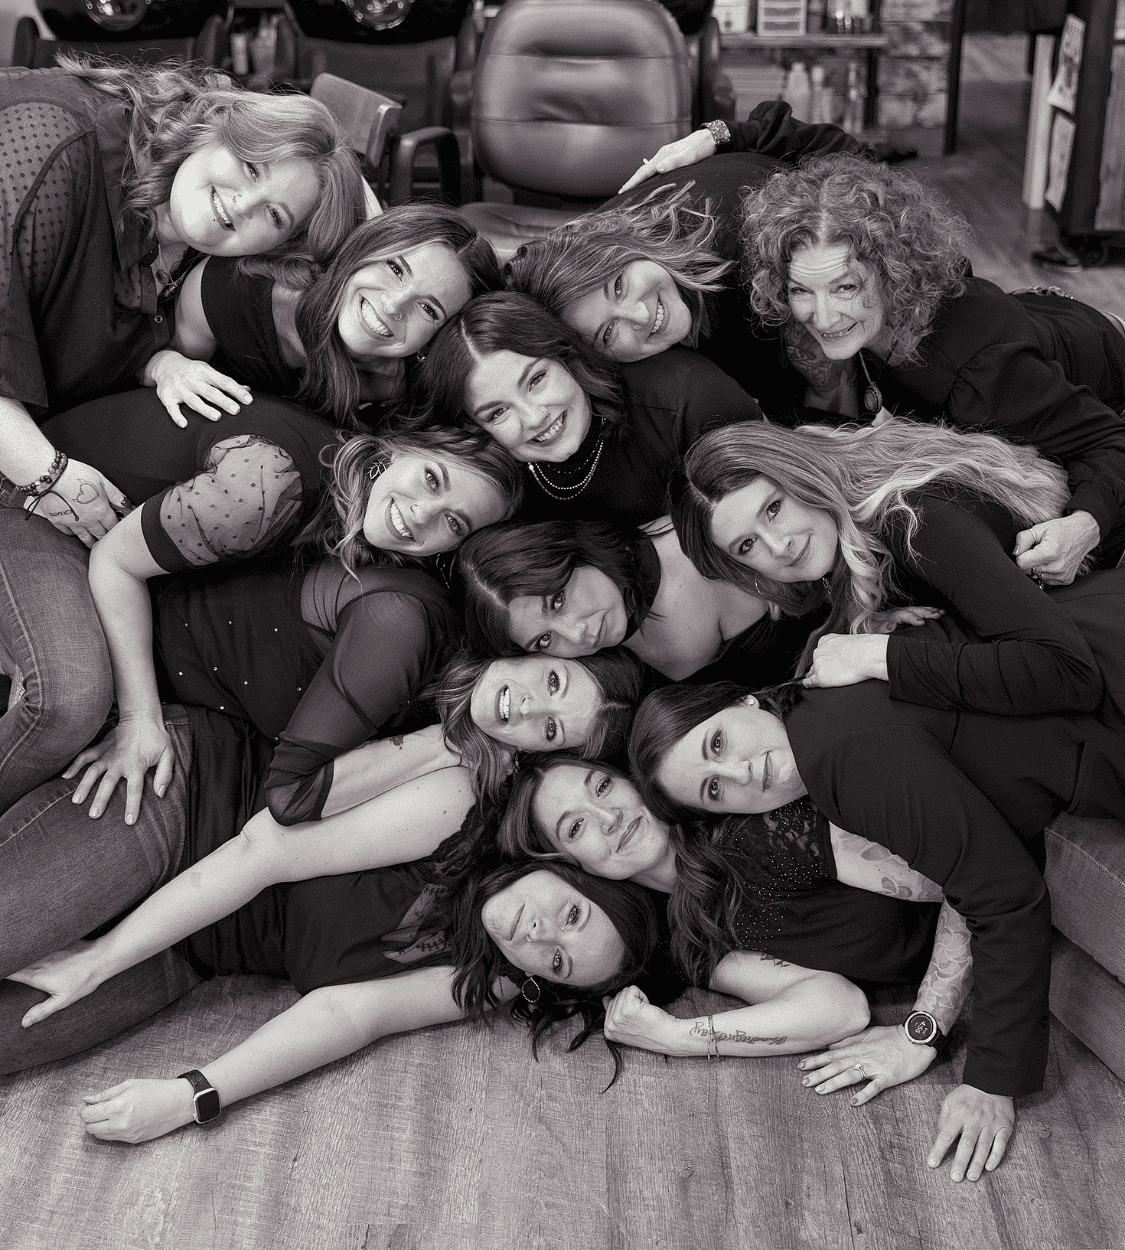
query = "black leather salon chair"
{"x": 567, "y": 97}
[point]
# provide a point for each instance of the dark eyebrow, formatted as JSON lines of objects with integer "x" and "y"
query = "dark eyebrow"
{"x": 527, "y": 369}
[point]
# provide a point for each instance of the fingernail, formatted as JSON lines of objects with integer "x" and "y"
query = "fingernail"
{"x": 129, "y": 819}
{"x": 807, "y": 1080}
{"x": 855, "y": 1102}
{"x": 95, "y": 811}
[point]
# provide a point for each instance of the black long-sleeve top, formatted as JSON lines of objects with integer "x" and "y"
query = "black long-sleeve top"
{"x": 1025, "y": 654}
{"x": 963, "y": 797}
{"x": 669, "y": 400}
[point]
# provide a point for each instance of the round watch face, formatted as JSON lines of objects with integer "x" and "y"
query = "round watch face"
{"x": 921, "y": 1028}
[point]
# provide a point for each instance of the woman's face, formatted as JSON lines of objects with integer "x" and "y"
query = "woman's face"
{"x": 739, "y": 760}
{"x": 225, "y": 206}
{"x": 394, "y": 305}
{"x": 549, "y": 929}
{"x": 769, "y": 531}
{"x": 532, "y": 407}
{"x": 638, "y": 313}
{"x": 421, "y": 505}
{"x": 597, "y": 819}
{"x": 837, "y": 299}
{"x": 585, "y": 616}
{"x": 535, "y": 703}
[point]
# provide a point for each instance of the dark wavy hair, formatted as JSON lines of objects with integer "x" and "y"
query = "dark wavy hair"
{"x": 667, "y": 227}
{"x": 705, "y": 900}
{"x": 506, "y": 562}
{"x": 505, "y": 321}
{"x": 617, "y": 674}
{"x": 480, "y": 965}
{"x": 331, "y": 382}
{"x": 912, "y": 241}
{"x": 336, "y": 528}
{"x": 666, "y": 716}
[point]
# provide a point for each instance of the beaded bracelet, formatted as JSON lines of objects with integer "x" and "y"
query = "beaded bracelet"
{"x": 46, "y": 482}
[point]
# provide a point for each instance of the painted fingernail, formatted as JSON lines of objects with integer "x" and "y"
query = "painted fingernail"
{"x": 855, "y": 1102}
{"x": 95, "y": 811}
{"x": 807, "y": 1080}
{"x": 129, "y": 819}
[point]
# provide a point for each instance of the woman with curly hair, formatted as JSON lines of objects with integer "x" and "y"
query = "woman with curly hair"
{"x": 337, "y": 337}
{"x": 598, "y": 440}
{"x": 318, "y": 658}
{"x": 869, "y": 519}
{"x": 658, "y": 265}
{"x": 132, "y": 172}
{"x": 873, "y": 265}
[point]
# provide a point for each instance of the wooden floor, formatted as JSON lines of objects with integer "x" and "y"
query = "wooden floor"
{"x": 452, "y": 1139}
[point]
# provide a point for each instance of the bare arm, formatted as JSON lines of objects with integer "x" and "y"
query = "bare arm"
{"x": 325, "y": 1025}
{"x": 790, "y": 1009}
{"x": 405, "y": 825}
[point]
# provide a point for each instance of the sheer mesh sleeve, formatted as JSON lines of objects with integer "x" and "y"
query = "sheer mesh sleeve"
{"x": 247, "y": 495}
{"x": 34, "y": 219}
{"x": 377, "y": 662}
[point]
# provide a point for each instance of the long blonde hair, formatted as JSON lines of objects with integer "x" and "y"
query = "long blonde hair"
{"x": 861, "y": 475}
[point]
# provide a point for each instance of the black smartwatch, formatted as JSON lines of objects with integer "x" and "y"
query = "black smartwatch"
{"x": 922, "y": 1029}
{"x": 206, "y": 1103}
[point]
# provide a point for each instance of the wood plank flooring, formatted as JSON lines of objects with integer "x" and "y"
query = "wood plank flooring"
{"x": 452, "y": 1139}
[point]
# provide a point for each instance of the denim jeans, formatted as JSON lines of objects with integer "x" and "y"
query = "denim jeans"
{"x": 52, "y": 647}
{"x": 62, "y": 875}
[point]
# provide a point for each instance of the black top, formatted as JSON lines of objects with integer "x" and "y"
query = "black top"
{"x": 79, "y": 312}
{"x": 1043, "y": 370}
{"x": 670, "y": 399}
{"x": 317, "y": 661}
{"x": 964, "y": 797}
{"x": 1025, "y": 654}
{"x": 793, "y": 907}
{"x": 239, "y": 312}
{"x": 212, "y": 491}
{"x": 327, "y": 931}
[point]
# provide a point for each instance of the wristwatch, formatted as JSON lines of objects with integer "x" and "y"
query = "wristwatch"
{"x": 719, "y": 131}
{"x": 206, "y": 1103}
{"x": 922, "y": 1029}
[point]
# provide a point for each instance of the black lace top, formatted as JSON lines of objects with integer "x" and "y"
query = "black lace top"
{"x": 794, "y": 908}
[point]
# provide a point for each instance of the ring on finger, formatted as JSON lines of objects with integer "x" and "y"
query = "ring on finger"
{"x": 859, "y": 1068}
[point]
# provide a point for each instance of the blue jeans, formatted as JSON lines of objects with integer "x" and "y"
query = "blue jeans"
{"x": 52, "y": 647}
{"x": 63, "y": 875}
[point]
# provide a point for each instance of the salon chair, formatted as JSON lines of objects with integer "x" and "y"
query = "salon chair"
{"x": 179, "y": 29}
{"x": 567, "y": 97}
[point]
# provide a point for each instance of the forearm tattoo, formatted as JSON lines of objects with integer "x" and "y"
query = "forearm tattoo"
{"x": 950, "y": 973}
{"x": 870, "y": 866}
{"x": 701, "y": 1028}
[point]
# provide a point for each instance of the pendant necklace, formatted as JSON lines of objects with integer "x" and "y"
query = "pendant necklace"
{"x": 872, "y": 395}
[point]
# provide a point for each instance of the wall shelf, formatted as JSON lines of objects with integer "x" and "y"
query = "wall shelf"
{"x": 761, "y": 42}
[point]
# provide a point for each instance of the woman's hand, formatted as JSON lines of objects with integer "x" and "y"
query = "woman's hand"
{"x": 983, "y": 1122}
{"x": 690, "y": 150}
{"x": 1054, "y": 550}
{"x": 179, "y": 380}
{"x": 67, "y": 975}
{"x": 844, "y": 659}
{"x": 888, "y": 622}
{"x": 129, "y": 750}
{"x": 881, "y": 1055}
{"x": 138, "y": 1110}
{"x": 83, "y": 502}
{"x": 632, "y": 1020}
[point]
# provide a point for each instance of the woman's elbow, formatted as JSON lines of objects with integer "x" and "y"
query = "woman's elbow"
{"x": 849, "y": 1011}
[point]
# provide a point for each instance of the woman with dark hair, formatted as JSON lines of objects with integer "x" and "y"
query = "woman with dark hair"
{"x": 872, "y": 264}
{"x": 570, "y": 588}
{"x": 962, "y": 797}
{"x": 869, "y": 517}
{"x": 362, "y": 937}
{"x": 318, "y": 659}
{"x": 336, "y": 337}
{"x": 599, "y": 442}
{"x": 751, "y": 892}
{"x": 129, "y": 171}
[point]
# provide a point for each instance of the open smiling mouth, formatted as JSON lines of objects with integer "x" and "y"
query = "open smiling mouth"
{"x": 372, "y": 320}
{"x": 838, "y": 334}
{"x": 553, "y": 430}
{"x": 221, "y": 214}
{"x": 658, "y": 320}
{"x": 398, "y": 523}
{"x": 504, "y": 705}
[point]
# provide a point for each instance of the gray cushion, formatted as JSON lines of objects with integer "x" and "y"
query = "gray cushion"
{"x": 1086, "y": 876}
{"x": 1089, "y": 1002}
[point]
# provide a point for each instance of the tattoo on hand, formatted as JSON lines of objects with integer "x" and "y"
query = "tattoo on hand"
{"x": 87, "y": 492}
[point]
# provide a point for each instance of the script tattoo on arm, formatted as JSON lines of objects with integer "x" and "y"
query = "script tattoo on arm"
{"x": 950, "y": 973}
{"x": 701, "y": 1028}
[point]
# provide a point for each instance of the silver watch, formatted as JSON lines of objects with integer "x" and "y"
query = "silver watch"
{"x": 719, "y": 131}
{"x": 922, "y": 1029}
